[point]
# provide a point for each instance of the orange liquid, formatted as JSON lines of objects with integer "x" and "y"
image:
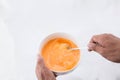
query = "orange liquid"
{"x": 58, "y": 57}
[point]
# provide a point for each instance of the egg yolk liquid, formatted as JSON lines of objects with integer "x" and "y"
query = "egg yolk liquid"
{"x": 58, "y": 57}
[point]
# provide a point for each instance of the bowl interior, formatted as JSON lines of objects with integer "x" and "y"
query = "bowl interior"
{"x": 59, "y": 35}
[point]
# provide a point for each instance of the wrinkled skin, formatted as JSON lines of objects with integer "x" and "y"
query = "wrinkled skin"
{"x": 106, "y": 45}
{"x": 42, "y": 72}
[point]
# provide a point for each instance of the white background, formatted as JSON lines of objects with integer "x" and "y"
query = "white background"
{"x": 29, "y": 21}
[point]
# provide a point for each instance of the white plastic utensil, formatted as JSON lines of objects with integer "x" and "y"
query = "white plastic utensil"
{"x": 78, "y": 48}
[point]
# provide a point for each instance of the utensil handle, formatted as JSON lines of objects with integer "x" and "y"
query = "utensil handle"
{"x": 82, "y": 48}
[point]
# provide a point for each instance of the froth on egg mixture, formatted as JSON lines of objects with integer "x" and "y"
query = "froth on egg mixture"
{"x": 57, "y": 55}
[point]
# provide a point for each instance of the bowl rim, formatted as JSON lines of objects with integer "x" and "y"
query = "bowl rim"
{"x": 60, "y": 35}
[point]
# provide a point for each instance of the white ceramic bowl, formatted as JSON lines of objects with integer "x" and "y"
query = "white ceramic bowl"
{"x": 59, "y": 35}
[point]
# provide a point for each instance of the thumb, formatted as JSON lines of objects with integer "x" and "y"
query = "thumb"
{"x": 40, "y": 61}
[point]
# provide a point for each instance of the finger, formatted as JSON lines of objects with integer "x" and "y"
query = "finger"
{"x": 39, "y": 67}
{"x": 99, "y": 49}
{"x": 40, "y": 61}
{"x": 93, "y": 39}
{"x": 38, "y": 71}
{"x": 97, "y": 39}
{"x": 91, "y": 46}
{"x": 96, "y": 48}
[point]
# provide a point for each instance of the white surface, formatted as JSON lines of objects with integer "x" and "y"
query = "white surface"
{"x": 32, "y": 20}
{"x": 7, "y": 60}
{"x": 7, "y": 56}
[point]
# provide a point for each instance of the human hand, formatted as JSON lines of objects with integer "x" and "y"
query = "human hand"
{"x": 107, "y": 45}
{"x": 42, "y": 72}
